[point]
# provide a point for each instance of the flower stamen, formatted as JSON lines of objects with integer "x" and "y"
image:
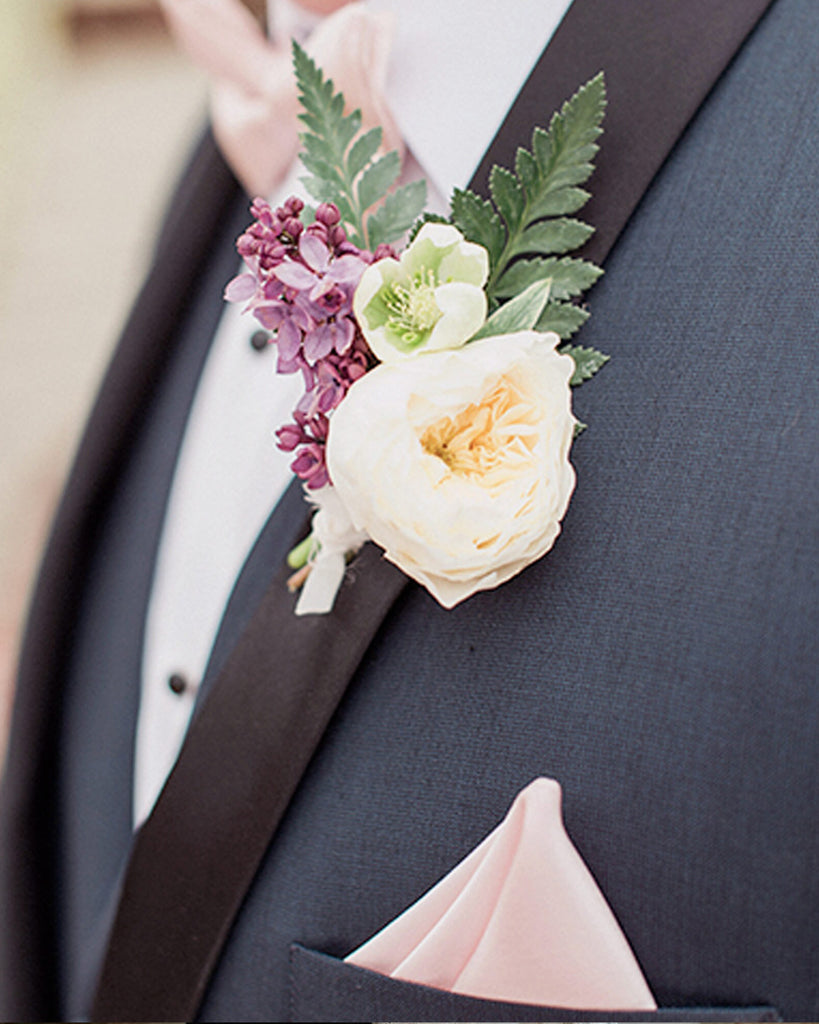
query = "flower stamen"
{"x": 478, "y": 441}
{"x": 413, "y": 311}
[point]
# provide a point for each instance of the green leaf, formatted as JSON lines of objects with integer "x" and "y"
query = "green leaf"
{"x": 574, "y": 174}
{"x": 578, "y": 428}
{"x": 583, "y": 113}
{"x": 587, "y": 362}
{"x": 546, "y": 236}
{"x": 347, "y": 127}
{"x": 321, "y": 169}
{"x": 319, "y": 189}
{"x": 377, "y": 178}
{"x": 535, "y": 200}
{"x": 569, "y": 276}
{"x": 323, "y": 192}
{"x": 565, "y": 157}
{"x": 476, "y": 219}
{"x": 508, "y": 195}
{"x": 426, "y": 218}
{"x": 563, "y": 318}
{"x": 543, "y": 149}
{"x": 323, "y": 109}
{"x": 527, "y": 170}
{"x": 363, "y": 150}
{"x": 520, "y": 314}
{"x": 559, "y": 202}
{"x": 397, "y": 213}
{"x": 343, "y": 164}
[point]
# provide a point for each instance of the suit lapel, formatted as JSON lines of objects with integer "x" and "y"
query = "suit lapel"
{"x": 661, "y": 59}
{"x": 254, "y": 736}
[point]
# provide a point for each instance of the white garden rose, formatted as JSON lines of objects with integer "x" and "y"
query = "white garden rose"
{"x": 457, "y": 462}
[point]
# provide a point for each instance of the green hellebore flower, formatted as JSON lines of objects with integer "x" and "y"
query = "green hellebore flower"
{"x": 432, "y": 298}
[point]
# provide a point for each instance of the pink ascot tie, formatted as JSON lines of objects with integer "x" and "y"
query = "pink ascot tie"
{"x": 253, "y": 95}
{"x": 520, "y": 919}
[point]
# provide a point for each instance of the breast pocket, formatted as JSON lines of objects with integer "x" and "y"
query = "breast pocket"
{"x": 325, "y": 988}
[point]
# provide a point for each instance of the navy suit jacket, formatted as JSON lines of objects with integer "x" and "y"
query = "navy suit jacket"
{"x": 660, "y": 662}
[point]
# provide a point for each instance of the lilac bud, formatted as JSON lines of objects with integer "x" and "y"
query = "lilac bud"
{"x": 384, "y": 252}
{"x": 246, "y": 245}
{"x": 338, "y": 236}
{"x": 320, "y": 427}
{"x": 310, "y": 466}
{"x": 348, "y": 249}
{"x": 319, "y": 231}
{"x": 260, "y": 209}
{"x": 327, "y": 213}
{"x": 289, "y": 437}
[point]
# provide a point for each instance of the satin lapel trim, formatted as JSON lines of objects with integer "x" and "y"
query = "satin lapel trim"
{"x": 661, "y": 58}
{"x": 246, "y": 752}
{"x": 197, "y": 854}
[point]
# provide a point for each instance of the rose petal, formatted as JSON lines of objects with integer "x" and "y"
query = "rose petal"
{"x": 459, "y": 529}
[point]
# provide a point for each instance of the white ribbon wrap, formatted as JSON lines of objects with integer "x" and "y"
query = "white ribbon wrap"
{"x": 337, "y": 537}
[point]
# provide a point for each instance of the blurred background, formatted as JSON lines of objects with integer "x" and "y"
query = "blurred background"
{"x": 97, "y": 113}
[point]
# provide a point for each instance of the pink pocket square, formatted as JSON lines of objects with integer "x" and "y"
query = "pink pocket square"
{"x": 520, "y": 919}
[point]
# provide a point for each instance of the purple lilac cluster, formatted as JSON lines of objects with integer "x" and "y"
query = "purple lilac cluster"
{"x": 300, "y": 287}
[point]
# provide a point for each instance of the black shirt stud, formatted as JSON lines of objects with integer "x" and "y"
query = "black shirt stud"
{"x": 177, "y": 684}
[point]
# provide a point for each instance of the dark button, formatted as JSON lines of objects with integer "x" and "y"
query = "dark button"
{"x": 259, "y": 340}
{"x": 177, "y": 684}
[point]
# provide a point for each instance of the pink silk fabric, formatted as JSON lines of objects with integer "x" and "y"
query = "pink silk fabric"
{"x": 520, "y": 919}
{"x": 254, "y": 102}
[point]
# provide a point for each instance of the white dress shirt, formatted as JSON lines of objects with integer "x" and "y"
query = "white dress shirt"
{"x": 456, "y": 66}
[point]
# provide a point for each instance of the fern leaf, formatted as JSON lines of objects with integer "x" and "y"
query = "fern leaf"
{"x": 508, "y": 195}
{"x": 397, "y": 213}
{"x": 476, "y": 219}
{"x": 587, "y": 361}
{"x": 535, "y": 200}
{"x": 344, "y": 164}
{"x": 363, "y": 150}
{"x": 563, "y": 318}
{"x": 377, "y": 178}
{"x": 527, "y": 170}
{"x": 559, "y": 235}
{"x": 570, "y": 277}
{"x": 559, "y": 202}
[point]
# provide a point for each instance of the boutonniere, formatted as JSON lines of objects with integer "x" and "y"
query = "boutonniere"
{"x": 436, "y": 418}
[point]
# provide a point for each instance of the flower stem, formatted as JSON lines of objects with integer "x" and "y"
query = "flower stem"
{"x": 303, "y": 552}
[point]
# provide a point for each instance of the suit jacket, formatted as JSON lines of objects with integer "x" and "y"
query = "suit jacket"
{"x": 660, "y": 662}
